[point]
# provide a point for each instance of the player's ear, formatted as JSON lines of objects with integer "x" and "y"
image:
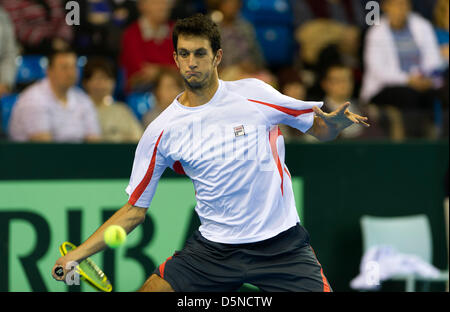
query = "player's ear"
{"x": 175, "y": 58}
{"x": 218, "y": 58}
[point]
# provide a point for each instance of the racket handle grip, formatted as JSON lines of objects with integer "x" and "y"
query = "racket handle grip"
{"x": 59, "y": 271}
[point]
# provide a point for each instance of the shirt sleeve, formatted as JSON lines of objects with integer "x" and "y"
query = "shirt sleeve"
{"x": 148, "y": 166}
{"x": 276, "y": 107}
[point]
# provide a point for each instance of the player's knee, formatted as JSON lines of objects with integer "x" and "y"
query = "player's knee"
{"x": 156, "y": 284}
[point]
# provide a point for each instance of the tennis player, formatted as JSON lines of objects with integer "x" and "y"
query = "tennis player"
{"x": 224, "y": 136}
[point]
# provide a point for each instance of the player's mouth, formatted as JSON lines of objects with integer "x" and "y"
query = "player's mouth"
{"x": 191, "y": 73}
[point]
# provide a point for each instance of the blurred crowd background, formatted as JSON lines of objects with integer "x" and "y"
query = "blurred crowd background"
{"x": 107, "y": 78}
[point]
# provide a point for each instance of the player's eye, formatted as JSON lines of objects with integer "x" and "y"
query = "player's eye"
{"x": 200, "y": 53}
{"x": 183, "y": 54}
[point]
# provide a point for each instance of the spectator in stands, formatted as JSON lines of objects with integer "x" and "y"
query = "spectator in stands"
{"x": 239, "y": 41}
{"x": 52, "y": 109}
{"x": 338, "y": 84}
{"x": 291, "y": 84}
{"x": 8, "y": 53}
{"x": 243, "y": 56}
{"x": 40, "y": 25}
{"x": 168, "y": 85}
{"x": 117, "y": 121}
{"x": 147, "y": 45}
{"x": 101, "y": 26}
{"x": 343, "y": 11}
{"x": 401, "y": 56}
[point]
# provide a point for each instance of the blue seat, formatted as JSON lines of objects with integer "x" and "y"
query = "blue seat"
{"x": 6, "y": 104}
{"x": 276, "y": 12}
{"x": 140, "y": 103}
{"x": 30, "y": 68}
{"x": 277, "y": 43}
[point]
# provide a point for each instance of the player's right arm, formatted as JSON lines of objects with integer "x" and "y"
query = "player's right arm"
{"x": 148, "y": 166}
{"x": 128, "y": 217}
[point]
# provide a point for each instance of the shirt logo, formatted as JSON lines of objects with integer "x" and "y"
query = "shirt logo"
{"x": 239, "y": 131}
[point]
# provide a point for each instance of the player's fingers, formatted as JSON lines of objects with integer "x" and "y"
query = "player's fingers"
{"x": 364, "y": 123}
{"x": 343, "y": 107}
{"x": 318, "y": 111}
{"x": 58, "y": 272}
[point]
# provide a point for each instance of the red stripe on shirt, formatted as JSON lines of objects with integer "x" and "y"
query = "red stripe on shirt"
{"x": 147, "y": 178}
{"x": 178, "y": 168}
{"x": 289, "y": 111}
{"x": 273, "y": 135}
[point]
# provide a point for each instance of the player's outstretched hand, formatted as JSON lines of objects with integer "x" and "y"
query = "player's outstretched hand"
{"x": 61, "y": 268}
{"x": 341, "y": 118}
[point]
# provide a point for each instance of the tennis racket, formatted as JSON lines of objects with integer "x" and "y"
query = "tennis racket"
{"x": 88, "y": 270}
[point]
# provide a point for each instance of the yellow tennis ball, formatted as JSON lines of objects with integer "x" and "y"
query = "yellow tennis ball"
{"x": 115, "y": 236}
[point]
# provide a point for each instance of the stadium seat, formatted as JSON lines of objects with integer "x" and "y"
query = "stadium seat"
{"x": 276, "y": 12}
{"x": 6, "y": 104}
{"x": 277, "y": 44}
{"x": 140, "y": 103}
{"x": 273, "y": 22}
{"x": 30, "y": 68}
{"x": 408, "y": 235}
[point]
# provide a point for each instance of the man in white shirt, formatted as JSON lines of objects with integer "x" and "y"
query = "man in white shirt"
{"x": 225, "y": 137}
{"x": 53, "y": 109}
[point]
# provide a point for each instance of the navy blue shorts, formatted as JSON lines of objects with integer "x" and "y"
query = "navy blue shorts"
{"x": 285, "y": 262}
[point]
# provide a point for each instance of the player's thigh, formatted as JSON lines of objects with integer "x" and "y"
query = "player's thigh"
{"x": 156, "y": 284}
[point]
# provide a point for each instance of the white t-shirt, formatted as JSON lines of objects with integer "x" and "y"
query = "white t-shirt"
{"x": 232, "y": 150}
{"x": 38, "y": 110}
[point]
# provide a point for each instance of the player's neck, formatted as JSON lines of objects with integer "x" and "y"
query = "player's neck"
{"x": 194, "y": 98}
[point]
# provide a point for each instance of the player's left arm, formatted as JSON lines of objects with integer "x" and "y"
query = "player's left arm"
{"x": 326, "y": 127}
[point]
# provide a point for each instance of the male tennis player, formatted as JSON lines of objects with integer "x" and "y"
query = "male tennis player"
{"x": 224, "y": 137}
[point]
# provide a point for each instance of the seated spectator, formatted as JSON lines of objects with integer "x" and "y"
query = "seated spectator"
{"x": 8, "y": 53}
{"x": 239, "y": 41}
{"x": 338, "y": 85}
{"x": 401, "y": 56}
{"x": 325, "y": 41}
{"x": 40, "y": 25}
{"x": 53, "y": 109}
{"x": 147, "y": 45}
{"x": 168, "y": 85}
{"x": 291, "y": 84}
{"x": 118, "y": 123}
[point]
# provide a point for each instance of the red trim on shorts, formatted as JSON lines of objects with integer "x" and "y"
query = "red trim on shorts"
{"x": 326, "y": 286}
{"x": 289, "y": 111}
{"x": 163, "y": 266}
{"x": 147, "y": 178}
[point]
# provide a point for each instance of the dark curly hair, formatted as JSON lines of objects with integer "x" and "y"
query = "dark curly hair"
{"x": 197, "y": 25}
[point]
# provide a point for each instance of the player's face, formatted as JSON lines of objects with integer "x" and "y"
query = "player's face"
{"x": 196, "y": 61}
